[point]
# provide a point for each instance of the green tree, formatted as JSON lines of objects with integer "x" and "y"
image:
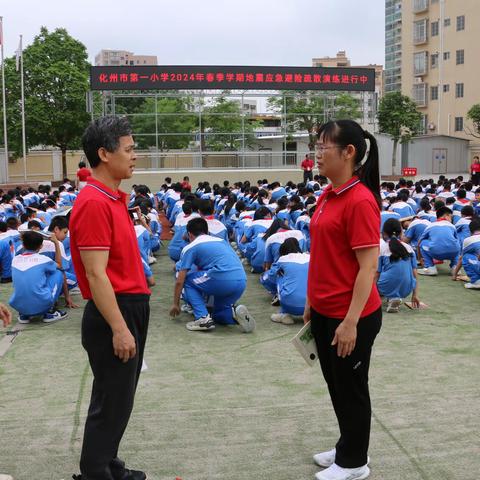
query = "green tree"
{"x": 56, "y": 74}
{"x": 398, "y": 116}
{"x": 304, "y": 112}
{"x": 175, "y": 115}
{"x": 474, "y": 115}
{"x": 347, "y": 107}
{"x": 223, "y": 123}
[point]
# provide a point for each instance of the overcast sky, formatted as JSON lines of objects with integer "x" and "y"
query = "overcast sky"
{"x": 215, "y": 32}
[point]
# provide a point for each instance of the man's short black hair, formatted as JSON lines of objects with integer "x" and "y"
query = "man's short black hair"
{"x": 474, "y": 225}
{"x": 467, "y": 211}
{"x": 197, "y": 226}
{"x": 32, "y": 240}
{"x": 104, "y": 132}
{"x": 205, "y": 207}
{"x": 442, "y": 211}
{"x": 34, "y": 224}
{"x": 58, "y": 221}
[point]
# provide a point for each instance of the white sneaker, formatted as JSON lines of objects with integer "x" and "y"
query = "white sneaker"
{"x": 5, "y": 477}
{"x": 75, "y": 291}
{"x": 334, "y": 472}
{"x": 151, "y": 260}
{"x": 187, "y": 308}
{"x": 204, "y": 323}
{"x": 244, "y": 319}
{"x": 431, "y": 271}
{"x": 284, "y": 318}
{"x": 475, "y": 285}
{"x": 325, "y": 459}
{"x": 393, "y": 305}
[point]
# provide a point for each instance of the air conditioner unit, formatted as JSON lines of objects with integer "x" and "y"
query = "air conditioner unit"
{"x": 418, "y": 80}
{"x": 431, "y": 126}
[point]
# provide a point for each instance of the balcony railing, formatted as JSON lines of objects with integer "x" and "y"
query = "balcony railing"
{"x": 420, "y": 6}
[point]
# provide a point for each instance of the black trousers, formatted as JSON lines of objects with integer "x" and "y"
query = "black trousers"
{"x": 307, "y": 176}
{"x": 114, "y": 385}
{"x": 347, "y": 381}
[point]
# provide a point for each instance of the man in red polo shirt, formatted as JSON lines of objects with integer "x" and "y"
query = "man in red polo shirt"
{"x": 307, "y": 167}
{"x": 110, "y": 276}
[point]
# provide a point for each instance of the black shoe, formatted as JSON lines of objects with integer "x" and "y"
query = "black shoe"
{"x": 132, "y": 475}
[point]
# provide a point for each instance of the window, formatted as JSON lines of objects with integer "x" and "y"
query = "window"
{"x": 420, "y": 5}
{"x": 446, "y": 22}
{"x": 459, "y": 89}
{"x": 460, "y": 23}
{"x": 435, "y": 28}
{"x": 420, "y": 63}
{"x": 446, "y": 88}
{"x": 446, "y": 55}
{"x": 420, "y": 31}
{"x": 434, "y": 60}
{"x": 460, "y": 57}
{"x": 459, "y": 124}
{"x": 419, "y": 94}
{"x": 434, "y": 93}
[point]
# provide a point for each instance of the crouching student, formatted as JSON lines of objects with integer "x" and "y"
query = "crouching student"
{"x": 397, "y": 268}
{"x": 208, "y": 266}
{"x": 290, "y": 272}
{"x": 37, "y": 280}
{"x": 470, "y": 258}
{"x": 439, "y": 242}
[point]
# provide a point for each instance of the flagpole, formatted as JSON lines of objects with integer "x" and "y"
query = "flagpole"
{"x": 5, "y": 140}
{"x": 24, "y": 140}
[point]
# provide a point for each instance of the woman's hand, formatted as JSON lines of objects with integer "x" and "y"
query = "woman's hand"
{"x": 307, "y": 312}
{"x": 345, "y": 338}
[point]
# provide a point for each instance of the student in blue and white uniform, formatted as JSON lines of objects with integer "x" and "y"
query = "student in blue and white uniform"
{"x": 470, "y": 258}
{"x": 208, "y": 266}
{"x": 215, "y": 227}
{"x": 385, "y": 215}
{"x": 425, "y": 212}
{"x": 463, "y": 224}
{"x": 275, "y": 236}
{"x": 397, "y": 268}
{"x": 439, "y": 242}
{"x": 277, "y": 191}
{"x": 37, "y": 281}
{"x": 290, "y": 273}
{"x": 414, "y": 230}
{"x": 262, "y": 220}
{"x": 180, "y": 239}
{"x": 401, "y": 206}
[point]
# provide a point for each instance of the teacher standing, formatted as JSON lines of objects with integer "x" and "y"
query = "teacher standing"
{"x": 110, "y": 274}
{"x": 343, "y": 303}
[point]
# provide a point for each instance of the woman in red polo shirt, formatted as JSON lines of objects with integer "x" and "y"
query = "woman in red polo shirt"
{"x": 343, "y": 303}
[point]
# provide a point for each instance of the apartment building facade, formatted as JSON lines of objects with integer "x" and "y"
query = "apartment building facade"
{"x": 440, "y": 61}
{"x": 123, "y": 57}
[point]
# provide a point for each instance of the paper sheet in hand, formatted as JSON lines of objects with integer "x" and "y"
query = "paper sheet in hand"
{"x": 305, "y": 344}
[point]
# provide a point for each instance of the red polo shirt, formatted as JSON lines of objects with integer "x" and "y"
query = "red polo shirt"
{"x": 307, "y": 164}
{"x": 346, "y": 219}
{"x": 100, "y": 221}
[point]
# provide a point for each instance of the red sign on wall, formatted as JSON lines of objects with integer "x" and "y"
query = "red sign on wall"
{"x": 409, "y": 172}
{"x": 178, "y": 77}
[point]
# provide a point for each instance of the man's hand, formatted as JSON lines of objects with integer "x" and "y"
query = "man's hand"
{"x": 307, "y": 315}
{"x": 5, "y": 315}
{"x": 124, "y": 346}
{"x": 415, "y": 301}
{"x": 69, "y": 303}
{"x": 345, "y": 338}
{"x": 175, "y": 311}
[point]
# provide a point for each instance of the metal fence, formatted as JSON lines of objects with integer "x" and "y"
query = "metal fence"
{"x": 217, "y": 160}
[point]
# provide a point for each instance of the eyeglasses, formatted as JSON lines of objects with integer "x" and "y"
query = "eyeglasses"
{"x": 320, "y": 147}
